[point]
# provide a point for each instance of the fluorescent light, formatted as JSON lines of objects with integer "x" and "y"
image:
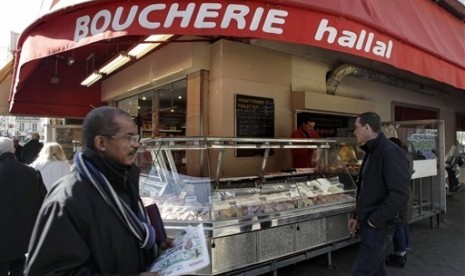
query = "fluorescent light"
{"x": 91, "y": 79}
{"x": 114, "y": 64}
{"x": 148, "y": 45}
{"x": 137, "y": 52}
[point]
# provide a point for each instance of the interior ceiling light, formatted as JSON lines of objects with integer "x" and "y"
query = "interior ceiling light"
{"x": 55, "y": 79}
{"x": 172, "y": 100}
{"x": 71, "y": 60}
{"x": 148, "y": 45}
{"x": 92, "y": 78}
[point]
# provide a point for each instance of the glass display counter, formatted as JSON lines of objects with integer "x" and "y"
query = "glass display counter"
{"x": 426, "y": 145}
{"x": 350, "y": 154}
{"x": 255, "y": 218}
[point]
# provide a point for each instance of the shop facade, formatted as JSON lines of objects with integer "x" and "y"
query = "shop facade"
{"x": 249, "y": 70}
{"x": 305, "y": 56}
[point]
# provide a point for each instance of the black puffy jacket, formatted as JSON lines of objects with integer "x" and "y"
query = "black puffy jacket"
{"x": 383, "y": 185}
{"x": 77, "y": 233}
{"x": 21, "y": 194}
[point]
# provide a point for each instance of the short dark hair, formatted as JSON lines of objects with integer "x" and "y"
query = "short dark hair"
{"x": 98, "y": 121}
{"x": 372, "y": 119}
{"x": 305, "y": 119}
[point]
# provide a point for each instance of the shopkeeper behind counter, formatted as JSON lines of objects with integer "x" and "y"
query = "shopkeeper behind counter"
{"x": 303, "y": 158}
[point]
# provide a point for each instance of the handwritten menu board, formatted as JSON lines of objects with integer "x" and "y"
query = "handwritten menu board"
{"x": 254, "y": 118}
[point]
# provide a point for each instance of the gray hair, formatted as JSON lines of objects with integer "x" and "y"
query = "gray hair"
{"x": 6, "y": 145}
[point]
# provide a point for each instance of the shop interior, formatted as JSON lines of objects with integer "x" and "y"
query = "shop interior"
{"x": 159, "y": 111}
{"x": 330, "y": 125}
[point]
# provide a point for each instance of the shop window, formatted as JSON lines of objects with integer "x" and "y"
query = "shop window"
{"x": 159, "y": 111}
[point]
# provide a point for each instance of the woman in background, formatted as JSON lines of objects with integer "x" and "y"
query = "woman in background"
{"x": 51, "y": 163}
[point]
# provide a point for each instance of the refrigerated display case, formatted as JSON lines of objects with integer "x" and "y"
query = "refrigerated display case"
{"x": 68, "y": 136}
{"x": 254, "y": 222}
{"x": 350, "y": 154}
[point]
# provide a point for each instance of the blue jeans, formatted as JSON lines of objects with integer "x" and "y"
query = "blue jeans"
{"x": 370, "y": 258}
{"x": 401, "y": 238}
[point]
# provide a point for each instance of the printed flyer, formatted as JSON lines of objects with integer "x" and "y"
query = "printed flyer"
{"x": 189, "y": 253}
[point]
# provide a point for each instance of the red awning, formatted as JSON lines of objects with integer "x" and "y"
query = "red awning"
{"x": 412, "y": 35}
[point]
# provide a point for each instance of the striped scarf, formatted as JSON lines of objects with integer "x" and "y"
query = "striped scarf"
{"x": 138, "y": 224}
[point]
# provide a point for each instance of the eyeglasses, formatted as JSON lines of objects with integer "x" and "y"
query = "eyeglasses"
{"x": 132, "y": 139}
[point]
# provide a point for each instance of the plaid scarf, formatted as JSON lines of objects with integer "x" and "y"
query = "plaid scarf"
{"x": 138, "y": 224}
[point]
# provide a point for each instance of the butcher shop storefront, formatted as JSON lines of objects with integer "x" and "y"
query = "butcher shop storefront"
{"x": 217, "y": 88}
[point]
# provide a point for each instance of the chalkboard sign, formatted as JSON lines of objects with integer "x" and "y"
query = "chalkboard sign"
{"x": 254, "y": 118}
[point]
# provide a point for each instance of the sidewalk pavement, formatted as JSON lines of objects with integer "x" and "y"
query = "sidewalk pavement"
{"x": 433, "y": 251}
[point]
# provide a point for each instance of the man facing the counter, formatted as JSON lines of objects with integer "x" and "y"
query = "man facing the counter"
{"x": 303, "y": 158}
{"x": 382, "y": 195}
{"x": 93, "y": 221}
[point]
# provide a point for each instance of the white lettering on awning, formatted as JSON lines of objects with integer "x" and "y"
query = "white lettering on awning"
{"x": 203, "y": 16}
{"x": 358, "y": 41}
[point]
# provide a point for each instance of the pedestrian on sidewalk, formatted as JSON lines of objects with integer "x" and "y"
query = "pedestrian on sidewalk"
{"x": 51, "y": 163}
{"x": 382, "y": 195}
{"x": 18, "y": 150}
{"x": 92, "y": 220}
{"x": 21, "y": 194}
{"x": 32, "y": 148}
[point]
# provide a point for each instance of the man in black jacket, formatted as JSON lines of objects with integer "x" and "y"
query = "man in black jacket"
{"x": 32, "y": 148}
{"x": 382, "y": 195}
{"x": 21, "y": 194}
{"x": 18, "y": 150}
{"x": 92, "y": 221}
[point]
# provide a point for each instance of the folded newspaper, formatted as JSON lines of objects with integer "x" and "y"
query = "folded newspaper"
{"x": 188, "y": 254}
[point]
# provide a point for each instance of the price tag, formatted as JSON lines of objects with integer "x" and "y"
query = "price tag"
{"x": 222, "y": 205}
{"x": 215, "y": 199}
{"x": 247, "y": 201}
{"x": 294, "y": 192}
{"x": 182, "y": 195}
{"x": 278, "y": 197}
{"x": 191, "y": 200}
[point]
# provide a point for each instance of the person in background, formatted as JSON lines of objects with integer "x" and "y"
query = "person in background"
{"x": 382, "y": 195}
{"x": 51, "y": 163}
{"x": 21, "y": 194}
{"x": 401, "y": 236}
{"x": 32, "y": 148}
{"x": 18, "y": 149}
{"x": 92, "y": 220}
{"x": 303, "y": 158}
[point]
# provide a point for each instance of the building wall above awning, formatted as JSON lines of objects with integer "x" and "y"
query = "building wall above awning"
{"x": 5, "y": 84}
{"x": 412, "y": 35}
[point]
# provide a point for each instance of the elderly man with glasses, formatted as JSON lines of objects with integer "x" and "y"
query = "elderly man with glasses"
{"x": 93, "y": 220}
